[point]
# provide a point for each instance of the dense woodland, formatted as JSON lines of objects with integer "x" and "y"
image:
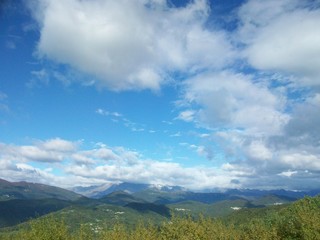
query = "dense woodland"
{"x": 299, "y": 220}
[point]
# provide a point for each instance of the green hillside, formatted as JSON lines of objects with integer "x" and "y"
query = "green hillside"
{"x": 27, "y": 190}
{"x": 27, "y": 201}
{"x": 162, "y": 197}
{"x": 270, "y": 200}
{"x": 218, "y": 209}
{"x": 298, "y": 220}
{"x": 13, "y": 212}
{"x": 28, "y": 209}
{"x": 120, "y": 198}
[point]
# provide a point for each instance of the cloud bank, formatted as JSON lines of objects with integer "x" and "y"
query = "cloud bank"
{"x": 41, "y": 160}
{"x": 68, "y": 163}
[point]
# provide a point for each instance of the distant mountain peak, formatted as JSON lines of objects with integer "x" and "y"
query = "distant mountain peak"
{"x": 131, "y": 188}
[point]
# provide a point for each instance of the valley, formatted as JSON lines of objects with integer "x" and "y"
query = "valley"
{"x": 128, "y": 203}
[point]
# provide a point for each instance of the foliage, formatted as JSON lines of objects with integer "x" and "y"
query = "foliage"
{"x": 301, "y": 220}
{"x": 47, "y": 228}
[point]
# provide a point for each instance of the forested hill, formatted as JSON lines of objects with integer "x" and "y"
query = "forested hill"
{"x": 298, "y": 220}
{"x": 28, "y": 190}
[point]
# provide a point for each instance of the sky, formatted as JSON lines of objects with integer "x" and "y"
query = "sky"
{"x": 201, "y": 94}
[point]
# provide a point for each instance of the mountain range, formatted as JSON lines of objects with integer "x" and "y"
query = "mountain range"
{"x": 21, "y": 201}
{"x": 105, "y": 189}
{"x": 165, "y": 194}
{"x": 27, "y": 190}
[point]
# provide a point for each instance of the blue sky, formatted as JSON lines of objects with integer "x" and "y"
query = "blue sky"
{"x": 202, "y": 94}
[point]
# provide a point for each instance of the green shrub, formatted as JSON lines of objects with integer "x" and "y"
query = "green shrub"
{"x": 301, "y": 220}
{"x": 47, "y": 228}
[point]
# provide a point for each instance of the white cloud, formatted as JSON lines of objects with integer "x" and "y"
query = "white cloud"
{"x": 187, "y": 115}
{"x": 105, "y": 164}
{"x": 59, "y": 145}
{"x": 287, "y": 173}
{"x": 107, "y": 113}
{"x": 156, "y": 172}
{"x": 258, "y": 150}
{"x": 229, "y": 100}
{"x": 301, "y": 161}
{"x": 251, "y": 125}
{"x": 129, "y": 44}
{"x": 33, "y": 153}
{"x": 99, "y": 164}
{"x": 282, "y": 36}
{"x": 51, "y": 150}
{"x": 303, "y": 127}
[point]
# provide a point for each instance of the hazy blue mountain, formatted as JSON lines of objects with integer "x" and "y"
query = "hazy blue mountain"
{"x": 92, "y": 191}
{"x": 105, "y": 189}
{"x": 161, "y": 194}
{"x": 163, "y": 197}
{"x": 256, "y": 193}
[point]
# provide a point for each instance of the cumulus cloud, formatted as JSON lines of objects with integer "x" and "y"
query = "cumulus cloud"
{"x": 265, "y": 122}
{"x": 129, "y": 44}
{"x": 282, "y": 36}
{"x": 231, "y": 100}
{"x": 29, "y": 153}
{"x": 76, "y": 166}
{"x": 303, "y": 127}
{"x": 59, "y": 145}
{"x": 257, "y": 150}
{"x": 156, "y": 172}
{"x": 52, "y": 150}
